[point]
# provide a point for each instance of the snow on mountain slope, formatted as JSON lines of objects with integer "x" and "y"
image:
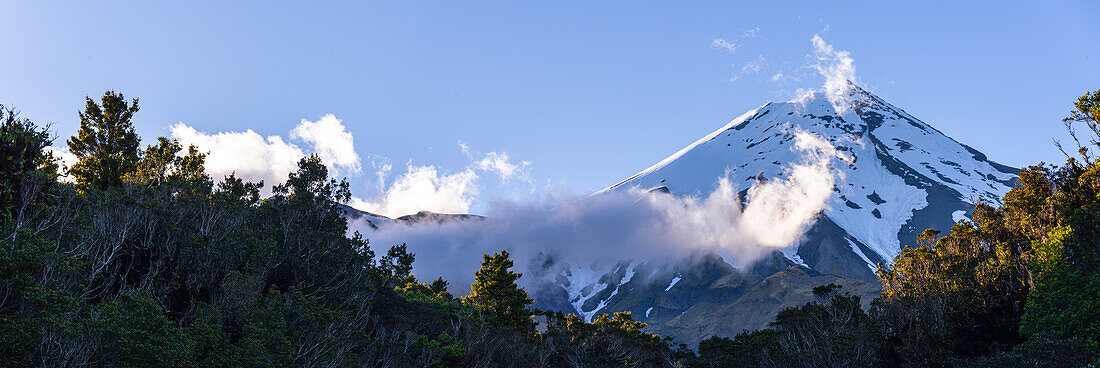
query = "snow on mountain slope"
{"x": 899, "y": 177}
{"x": 900, "y": 166}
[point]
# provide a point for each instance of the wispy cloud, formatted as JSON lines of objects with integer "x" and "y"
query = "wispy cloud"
{"x": 727, "y": 45}
{"x": 465, "y": 149}
{"x": 382, "y": 168}
{"x": 838, "y": 68}
{"x": 732, "y": 45}
{"x": 500, "y": 164}
{"x": 755, "y": 66}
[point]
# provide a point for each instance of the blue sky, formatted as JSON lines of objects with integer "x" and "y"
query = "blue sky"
{"x": 588, "y": 94}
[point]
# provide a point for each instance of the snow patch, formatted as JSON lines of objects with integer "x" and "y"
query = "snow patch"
{"x": 629, "y": 273}
{"x": 859, "y": 252}
{"x": 673, "y": 283}
{"x": 959, "y": 216}
{"x": 627, "y": 276}
{"x": 792, "y": 254}
{"x": 582, "y": 284}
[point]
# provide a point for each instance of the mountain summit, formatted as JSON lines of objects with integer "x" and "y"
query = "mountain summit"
{"x": 900, "y": 176}
{"x": 904, "y": 176}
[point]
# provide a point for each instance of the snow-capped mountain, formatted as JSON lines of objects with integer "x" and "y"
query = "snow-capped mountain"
{"x": 905, "y": 176}
{"x": 901, "y": 176}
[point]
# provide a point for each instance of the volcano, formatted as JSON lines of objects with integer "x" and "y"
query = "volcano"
{"x": 903, "y": 177}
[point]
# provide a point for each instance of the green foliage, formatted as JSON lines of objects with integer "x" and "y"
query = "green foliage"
{"x": 151, "y": 263}
{"x": 437, "y": 288}
{"x": 1064, "y": 303}
{"x": 1015, "y": 287}
{"x": 449, "y": 350}
{"x": 1039, "y": 351}
{"x": 832, "y": 331}
{"x": 136, "y": 333}
{"x": 27, "y": 304}
{"x": 1065, "y": 257}
{"x": 105, "y": 143}
{"x": 1087, "y": 112}
{"x": 165, "y": 165}
{"x": 495, "y": 291}
{"x": 615, "y": 340}
{"x": 27, "y": 170}
{"x": 956, "y": 298}
{"x": 748, "y": 349}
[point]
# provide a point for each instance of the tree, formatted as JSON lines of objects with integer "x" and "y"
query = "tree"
{"x": 495, "y": 291}
{"x": 106, "y": 144}
{"x": 165, "y": 164}
{"x": 168, "y": 269}
{"x": 758, "y": 348}
{"x": 26, "y": 167}
{"x": 439, "y": 287}
{"x": 1086, "y": 111}
{"x": 136, "y": 333}
{"x": 961, "y": 297}
{"x": 1066, "y": 258}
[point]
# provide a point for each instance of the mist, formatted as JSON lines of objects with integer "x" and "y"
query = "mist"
{"x": 544, "y": 236}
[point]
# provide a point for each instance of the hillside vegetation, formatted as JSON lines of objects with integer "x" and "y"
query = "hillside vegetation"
{"x": 142, "y": 260}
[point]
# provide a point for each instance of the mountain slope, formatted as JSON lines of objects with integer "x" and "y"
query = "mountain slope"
{"x": 902, "y": 167}
{"x": 904, "y": 176}
{"x": 374, "y": 221}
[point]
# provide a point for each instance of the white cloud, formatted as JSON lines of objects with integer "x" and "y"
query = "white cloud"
{"x": 755, "y": 66}
{"x": 465, "y": 149}
{"x": 778, "y": 211}
{"x": 331, "y": 141}
{"x": 423, "y": 188}
{"x": 727, "y": 45}
{"x": 65, "y": 159}
{"x": 838, "y": 68}
{"x": 253, "y": 157}
{"x": 247, "y": 154}
{"x": 426, "y": 188}
{"x": 631, "y": 224}
{"x": 731, "y": 45}
{"x": 500, "y": 164}
{"x": 803, "y": 95}
{"x": 382, "y": 168}
{"x": 781, "y": 78}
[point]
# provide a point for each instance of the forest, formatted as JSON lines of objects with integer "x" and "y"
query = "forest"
{"x": 135, "y": 257}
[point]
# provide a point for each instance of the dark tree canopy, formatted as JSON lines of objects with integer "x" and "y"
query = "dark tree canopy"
{"x": 105, "y": 144}
{"x": 495, "y": 291}
{"x": 146, "y": 261}
{"x": 25, "y": 165}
